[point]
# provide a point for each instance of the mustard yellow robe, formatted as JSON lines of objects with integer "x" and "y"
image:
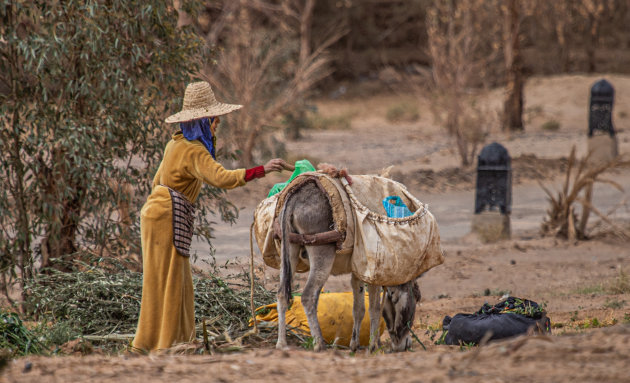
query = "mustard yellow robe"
{"x": 167, "y": 314}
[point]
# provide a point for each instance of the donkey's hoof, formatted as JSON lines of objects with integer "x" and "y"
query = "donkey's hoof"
{"x": 281, "y": 346}
{"x": 354, "y": 345}
{"x": 318, "y": 347}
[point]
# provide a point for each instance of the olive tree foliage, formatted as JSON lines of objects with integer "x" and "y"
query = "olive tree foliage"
{"x": 84, "y": 89}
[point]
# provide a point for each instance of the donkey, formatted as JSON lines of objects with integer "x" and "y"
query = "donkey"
{"x": 308, "y": 211}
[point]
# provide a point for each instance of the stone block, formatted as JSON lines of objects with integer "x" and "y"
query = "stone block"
{"x": 491, "y": 226}
{"x": 603, "y": 148}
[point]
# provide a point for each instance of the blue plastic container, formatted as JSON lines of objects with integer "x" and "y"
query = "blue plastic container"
{"x": 395, "y": 207}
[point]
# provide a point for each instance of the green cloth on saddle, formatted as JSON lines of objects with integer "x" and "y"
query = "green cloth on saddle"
{"x": 302, "y": 166}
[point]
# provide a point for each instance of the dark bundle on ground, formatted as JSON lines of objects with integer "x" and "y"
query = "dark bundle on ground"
{"x": 101, "y": 301}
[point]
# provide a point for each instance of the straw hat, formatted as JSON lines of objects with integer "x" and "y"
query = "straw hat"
{"x": 199, "y": 101}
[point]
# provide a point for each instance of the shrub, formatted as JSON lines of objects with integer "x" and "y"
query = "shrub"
{"x": 403, "y": 112}
{"x": 336, "y": 122}
{"x": 562, "y": 219}
{"x": 620, "y": 284}
{"x": 16, "y": 338}
{"x": 614, "y": 304}
{"x": 551, "y": 126}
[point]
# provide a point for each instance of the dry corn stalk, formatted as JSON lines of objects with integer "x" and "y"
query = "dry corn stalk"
{"x": 562, "y": 220}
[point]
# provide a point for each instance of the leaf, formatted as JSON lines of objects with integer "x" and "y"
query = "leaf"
{"x": 610, "y": 182}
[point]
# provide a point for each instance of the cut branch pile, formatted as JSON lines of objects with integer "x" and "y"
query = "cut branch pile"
{"x": 103, "y": 305}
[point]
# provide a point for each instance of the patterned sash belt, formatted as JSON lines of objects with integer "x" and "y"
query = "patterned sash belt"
{"x": 183, "y": 222}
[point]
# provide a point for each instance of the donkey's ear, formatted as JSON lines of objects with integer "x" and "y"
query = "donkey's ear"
{"x": 385, "y": 172}
{"x": 416, "y": 291}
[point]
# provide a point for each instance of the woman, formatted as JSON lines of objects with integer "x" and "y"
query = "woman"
{"x": 167, "y": 313}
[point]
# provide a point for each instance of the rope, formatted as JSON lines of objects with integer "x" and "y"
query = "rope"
{"x": 375, "y": 217}
{"x": 251, "y": 277}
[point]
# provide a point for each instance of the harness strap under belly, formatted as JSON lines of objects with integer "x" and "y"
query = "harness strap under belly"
{"x": 308, "y": 239}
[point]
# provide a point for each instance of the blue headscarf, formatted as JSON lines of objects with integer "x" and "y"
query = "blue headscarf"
{"x": 200, "y": 130}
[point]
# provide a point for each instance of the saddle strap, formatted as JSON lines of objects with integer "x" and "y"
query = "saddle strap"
{"x": 307, "y": 239}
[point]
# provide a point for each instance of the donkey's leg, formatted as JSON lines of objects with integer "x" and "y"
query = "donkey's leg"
{"x": 358, "y": 310}
{"x": 375, "y": 316}
{"x": 321, "y": 259}
{"x": 283, "y": 299}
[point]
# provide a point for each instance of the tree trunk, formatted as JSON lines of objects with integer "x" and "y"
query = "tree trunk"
{"x": 349, "y": 36}
{"x": 513, "y": 105}
{"x": 455, "y": 131}
{"x": 248, "y": 149}
{"x": 59, "y": 241}
{"x": 25, "y": 259}
{"x": 586, "y": 209}
{"x": 462, "y": 148}
{"x": 305, "y": 30}
{"x": 60, "y": 233}
{"x": 592, "y": 42}
{"x": 562, "y": 44}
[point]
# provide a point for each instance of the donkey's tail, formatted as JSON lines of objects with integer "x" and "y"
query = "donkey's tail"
{"x": 286, "y": 273}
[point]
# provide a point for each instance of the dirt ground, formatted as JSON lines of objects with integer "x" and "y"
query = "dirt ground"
{"x": 585, "y": 286}
{"x": 596, "y": 356}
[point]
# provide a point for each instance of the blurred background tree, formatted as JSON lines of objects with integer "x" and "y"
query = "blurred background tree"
{"x": 515, "y": 81}
{"x": 462, "y": 45}
{"x": 84, "y": 89}
{"x": 394, "y": 33}
{"x": 273, "y": 55}
{"x": 267, "y": 60}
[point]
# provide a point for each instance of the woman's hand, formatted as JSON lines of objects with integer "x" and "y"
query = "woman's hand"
{"x": 277, "y": 164}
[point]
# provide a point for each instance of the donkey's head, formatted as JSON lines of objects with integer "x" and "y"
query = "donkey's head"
{"x": 399, "y": 310}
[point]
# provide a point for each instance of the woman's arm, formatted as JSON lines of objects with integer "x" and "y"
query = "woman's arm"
{"x": 202, "y": 166}
{"x": 275, "y": 165}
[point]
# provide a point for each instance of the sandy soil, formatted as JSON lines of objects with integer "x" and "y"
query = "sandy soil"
{"x": 583, "y": 285}
{"x": 597, "y": 356}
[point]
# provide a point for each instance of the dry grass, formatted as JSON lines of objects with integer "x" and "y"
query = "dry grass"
{"x": 562, "y": 220}
{"x": 403, "y": 112}
{"x": 337, "y": 122}
{"x": 551, "y": 126}
{"x": 619, "y": 285}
